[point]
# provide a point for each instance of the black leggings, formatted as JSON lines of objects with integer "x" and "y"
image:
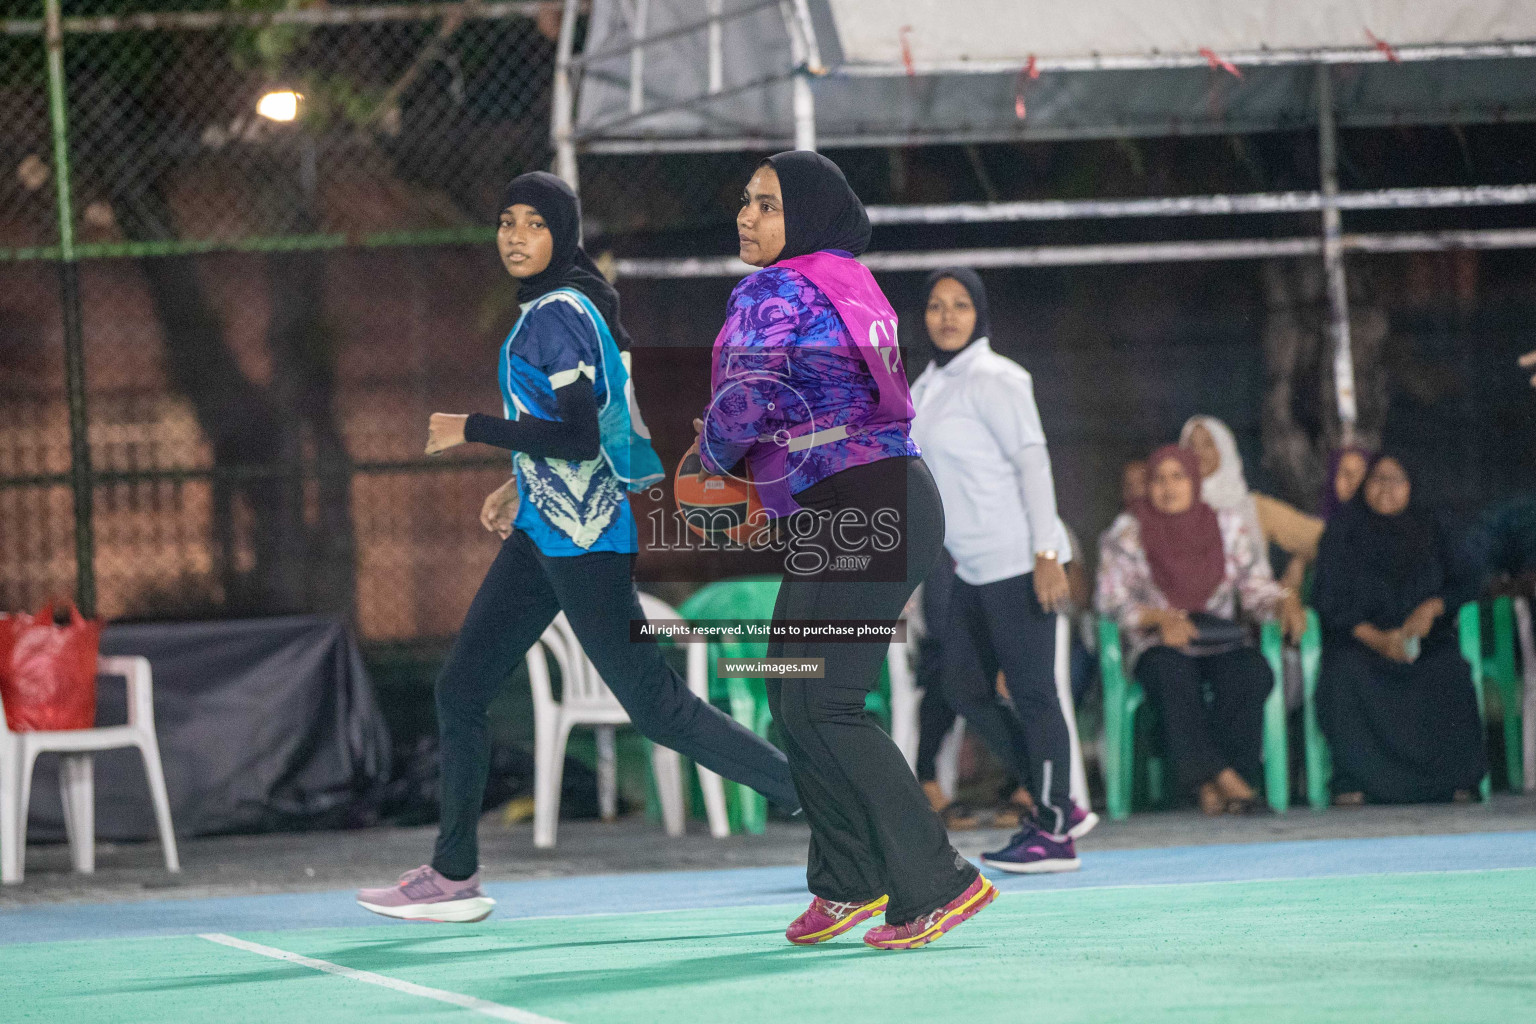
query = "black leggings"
{"x": 872, "y": 831}
{"x": 1204, "y": 737}
{"x": 520, "y": 596}
{"x": 1002, "y": 626}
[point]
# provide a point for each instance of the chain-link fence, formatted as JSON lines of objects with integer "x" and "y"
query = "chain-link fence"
{"x": 281, "y": 216}
{"x": 272, "y": 307}
{"x": 299, "y": 186}
{"x": 283, "y": 128}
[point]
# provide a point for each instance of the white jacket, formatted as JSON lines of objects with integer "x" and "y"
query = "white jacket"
{"x": 981, "y": 436}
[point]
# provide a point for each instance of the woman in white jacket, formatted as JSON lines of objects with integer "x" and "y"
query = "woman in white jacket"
{"x": 981, "y": 435}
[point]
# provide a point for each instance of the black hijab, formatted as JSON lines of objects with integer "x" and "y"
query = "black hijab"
{"x": 1375, "y": 568}
{"x": 569, "y": 264}
{"x": 971, "y": 282}
{"x": 820, "y": 210}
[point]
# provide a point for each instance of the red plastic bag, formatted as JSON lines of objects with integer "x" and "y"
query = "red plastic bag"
{"x": 48, "y": 672}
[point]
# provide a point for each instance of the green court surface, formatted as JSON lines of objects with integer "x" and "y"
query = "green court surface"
{"x": 1438, "y": 947}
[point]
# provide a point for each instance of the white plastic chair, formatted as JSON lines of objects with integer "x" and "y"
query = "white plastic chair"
{"x": 947, "y": 763}
{"x": 1078, "y": 787}
{"x": 586, "y": 700}
{"x": 19, "y": 750}
{"x": 905, "y": 698}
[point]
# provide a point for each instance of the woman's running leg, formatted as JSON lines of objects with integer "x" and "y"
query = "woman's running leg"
{"x": 970, "y": 674}
{"x": 1024, "y": 636}
{"x": 511, "y": 609}
{"x": 870, "y": 822}
{"x": 598, "y": 594}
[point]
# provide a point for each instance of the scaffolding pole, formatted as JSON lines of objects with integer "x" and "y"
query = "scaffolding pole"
{"x": 1110, "y": 254}
{"x": 563, "y": 111}
{"x": 72, "y": 315}
{"x": 801, "y": 46}
{"x": 1333, "y": 257}
{"x": 1030, "y": 210}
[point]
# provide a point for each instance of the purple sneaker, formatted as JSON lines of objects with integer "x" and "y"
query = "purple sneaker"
{"x": 1033, "y": 852}
{"x": 424, "y": 895}
{"x": 1080, "y": 822}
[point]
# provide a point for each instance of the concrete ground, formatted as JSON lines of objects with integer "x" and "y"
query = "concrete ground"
{"x": 319, "y": 861}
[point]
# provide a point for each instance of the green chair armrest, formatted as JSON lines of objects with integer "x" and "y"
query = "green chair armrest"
{"x": 1277, "y": 761}
{"x": 1319, "y": 760}
{"x": 1502, "y": 668}
{"x": 1120, "y": 704}
{"x": 1469, "y": 632}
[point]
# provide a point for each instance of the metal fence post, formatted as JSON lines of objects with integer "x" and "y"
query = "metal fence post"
{"x": 69, "y": 299}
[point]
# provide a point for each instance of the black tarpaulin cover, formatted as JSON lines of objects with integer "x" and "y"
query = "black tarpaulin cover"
{"x": 263, "y": 724}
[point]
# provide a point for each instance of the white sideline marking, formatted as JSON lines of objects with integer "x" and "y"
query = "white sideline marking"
{"x": 481, "y": 1006}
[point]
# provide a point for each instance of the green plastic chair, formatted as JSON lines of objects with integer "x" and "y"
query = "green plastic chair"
{"x": 1469, "y": 630}
{"x": 1124, "y": 697}
{"x": 1500, "y": 667}
{"x": 737, "y": 600}
{"x": 752, "y": 598}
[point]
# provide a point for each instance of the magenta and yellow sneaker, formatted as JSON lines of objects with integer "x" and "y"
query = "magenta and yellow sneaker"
{"x": 935, "y": 923}
{"x": 827, "y": 919}
{"x": 424, "y": 895}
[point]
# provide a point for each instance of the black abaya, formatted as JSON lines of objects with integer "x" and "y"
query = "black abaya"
{"x": 1399, "y": 733}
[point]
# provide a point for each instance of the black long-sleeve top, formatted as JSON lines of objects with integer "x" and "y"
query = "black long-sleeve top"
{"x": 573, "y": 436}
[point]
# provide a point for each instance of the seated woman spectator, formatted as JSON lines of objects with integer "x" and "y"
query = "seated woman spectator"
{"x": 1501, "y": 546}
{"x": 1225, "y": 488}
{"x": 1172, "y": 572}
{"x": 1346, "y": 472}
{"x": 1133, "y": 482}
{"x": 1395, "y": 698}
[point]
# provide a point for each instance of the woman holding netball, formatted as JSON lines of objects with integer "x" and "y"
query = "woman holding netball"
{"x": 809, "y": 394}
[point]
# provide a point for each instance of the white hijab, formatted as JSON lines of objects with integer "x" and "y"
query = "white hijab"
{"x": 1227, "y": 488}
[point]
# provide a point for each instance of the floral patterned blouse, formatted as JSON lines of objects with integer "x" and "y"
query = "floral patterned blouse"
{"x": 1125, "y": 582}
{"x": 786, "y": 338}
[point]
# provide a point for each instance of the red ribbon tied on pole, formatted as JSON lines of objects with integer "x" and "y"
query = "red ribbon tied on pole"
{"x": 906, "y": 51}
{"x": 1384, "y": 46}
{"x": 1218, "y": 63}
{"x": 1028, "y": 73}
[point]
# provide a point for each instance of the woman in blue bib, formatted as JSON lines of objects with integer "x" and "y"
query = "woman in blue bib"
{"x": 569, "y": 545}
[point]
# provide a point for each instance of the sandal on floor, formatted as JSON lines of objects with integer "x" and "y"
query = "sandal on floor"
{"x": 959, "y": 817}
{"x": 1243, "y": 805}
{"x": 1010, "y": 814}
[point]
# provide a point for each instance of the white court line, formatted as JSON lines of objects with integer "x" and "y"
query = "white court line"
{"x": 477, "y": 1005}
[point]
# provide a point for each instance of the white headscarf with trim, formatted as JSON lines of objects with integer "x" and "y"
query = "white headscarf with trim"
{"x": 1227, "y": 488}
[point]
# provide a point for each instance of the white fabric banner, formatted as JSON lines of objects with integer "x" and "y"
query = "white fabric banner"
{"x": 928, "y": 32}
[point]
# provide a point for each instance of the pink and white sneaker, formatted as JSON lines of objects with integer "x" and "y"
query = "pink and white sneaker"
{"x": 827, "y": 919}
{"x": 935, "y": 923}
{"x": 424, "y": 895}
